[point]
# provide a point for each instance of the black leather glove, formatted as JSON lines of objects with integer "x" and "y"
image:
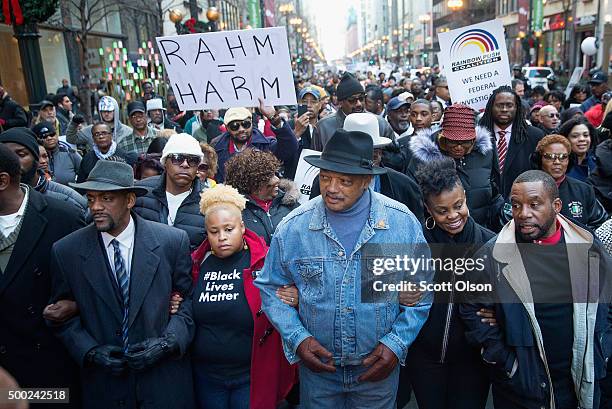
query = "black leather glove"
{"x": 109, "y": 357}
{"x": 78, "y": 119}
{"x": 147, "y": 353}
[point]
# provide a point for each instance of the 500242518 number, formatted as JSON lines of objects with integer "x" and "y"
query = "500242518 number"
{"x": 35, "y": 395}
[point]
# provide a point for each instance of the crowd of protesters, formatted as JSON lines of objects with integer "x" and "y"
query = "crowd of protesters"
{"x": 170, "y": 262}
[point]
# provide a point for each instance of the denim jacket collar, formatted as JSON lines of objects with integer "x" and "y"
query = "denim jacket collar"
{"x": 377, "y": 219}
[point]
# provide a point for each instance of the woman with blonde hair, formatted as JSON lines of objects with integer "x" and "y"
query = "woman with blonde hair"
{"x": 237, "y": 355}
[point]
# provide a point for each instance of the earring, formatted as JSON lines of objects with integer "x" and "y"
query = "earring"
{"x": 245, "y": 246}
{"x": 427, "y": 223}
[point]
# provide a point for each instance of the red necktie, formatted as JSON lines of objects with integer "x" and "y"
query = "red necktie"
{"x": 502, "y": 149}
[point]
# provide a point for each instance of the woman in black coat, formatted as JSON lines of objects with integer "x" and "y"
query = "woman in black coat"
{"x": 472, "y": 150}
{"x": 444, "y": 370}
{"x": 601, "y": 176}
{"x": 269, "y": 198}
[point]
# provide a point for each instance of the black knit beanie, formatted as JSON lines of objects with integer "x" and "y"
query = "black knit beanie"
{"x": 348, "y": 86}
{"x": 22, "y": 136}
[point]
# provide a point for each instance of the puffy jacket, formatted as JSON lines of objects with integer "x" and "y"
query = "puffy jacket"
{"x": 64, "y": 164}
{"x": 478, "y": 172}
{"x": 264, "y": 223}
{"x": 61, "y": 192}
{"x": 601, "y": 176}
{"x": 284, "y": 146}
{"x": 154, "y": 206}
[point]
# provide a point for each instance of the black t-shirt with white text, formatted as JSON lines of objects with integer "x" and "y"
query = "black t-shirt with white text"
{"x": 224, "y": 324}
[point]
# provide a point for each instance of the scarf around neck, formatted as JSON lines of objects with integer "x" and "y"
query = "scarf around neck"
{"x": 104, "y": 156}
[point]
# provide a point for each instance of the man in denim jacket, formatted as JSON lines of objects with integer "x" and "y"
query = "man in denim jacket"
{"x": 348, "y": 347}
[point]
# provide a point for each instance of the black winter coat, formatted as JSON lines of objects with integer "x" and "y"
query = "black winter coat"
{"x": 478, "y": 172}
{"x": 90, "y": 159}
{"x": 394, "y": 185}
{"x": 12, "y": 113}
{"x": 154, "y": 206}
{"x": 601, "y": 176}
{"x": 264, "y": 223}
{"x": 29, "y": 351}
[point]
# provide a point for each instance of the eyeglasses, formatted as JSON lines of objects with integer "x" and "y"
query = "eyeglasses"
{"x": 47, "y": 136}
{"x": 179, "y": 158}
{"x": 353, "y": 100}
{"x": 203, "y": 167}
{"x": 101, "y": 133}
{"x": 235, "y": 125}
{"x": 554, "y": 115}
{"x": 562, "y": 157}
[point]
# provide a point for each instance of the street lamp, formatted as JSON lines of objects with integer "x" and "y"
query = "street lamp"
{"x": 455, "y": 5}
{"x": 424, "y": 19}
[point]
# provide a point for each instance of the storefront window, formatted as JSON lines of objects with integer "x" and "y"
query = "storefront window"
{"x": 55, "y": 62}
{"x": 11, "y": 75}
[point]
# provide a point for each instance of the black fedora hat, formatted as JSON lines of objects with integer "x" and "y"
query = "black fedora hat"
{"x": 347, "y": 152}
{"x": 111, "y": 176}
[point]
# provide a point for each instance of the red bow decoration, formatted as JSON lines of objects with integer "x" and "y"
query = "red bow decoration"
{"x": 7, "y": 6}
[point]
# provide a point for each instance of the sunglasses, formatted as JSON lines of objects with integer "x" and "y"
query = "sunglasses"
{"x": 203, "y": 167}
{"x": 179, "y": 159}
{"x": 235, "y": 125}
{"x": 553, "y": 115}
{"x": 47, "y": 136}
{"x": 554, "y": 156}
{"x": 353, "y": 100}
{"x": 463, "y": 144}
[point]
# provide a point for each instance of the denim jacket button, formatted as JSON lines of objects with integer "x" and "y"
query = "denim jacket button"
{"x": 341, "y": 253}
{"x": 543, "y": 384}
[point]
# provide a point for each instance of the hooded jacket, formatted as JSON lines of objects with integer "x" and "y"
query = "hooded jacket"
{"x": 478, "y": 172}
{"x": 264, "y": 223}
{"x": 601, "y": 176}
{"x": 83, "y": 136}
{"x": 271, "y": 375}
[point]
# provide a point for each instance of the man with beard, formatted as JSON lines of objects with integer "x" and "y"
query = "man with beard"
{"x": 29, "y": 225}
{"x": 351, "y": 97}
{"x": 22, "y": 141}
{"x": 416, "y": 88}
{"x": 63, "y": 111}
{"x": 157, "y": 116}
{"x": 513, "y": 137}
{"x": 121, "y": 271}
{"x": 242, "y": 134}
{"x": 551, "y": 296}
{"x": 398, "y": 116}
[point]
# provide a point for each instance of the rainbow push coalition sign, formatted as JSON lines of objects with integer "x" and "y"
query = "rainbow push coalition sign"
{"x": 475, "y": 62}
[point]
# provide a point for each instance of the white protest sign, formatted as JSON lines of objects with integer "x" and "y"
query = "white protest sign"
{"x": 475, "y": 62}
{"x": 305, "y": 175}
{"x": 229, "y": 68}
{"x": 574, "y": 79}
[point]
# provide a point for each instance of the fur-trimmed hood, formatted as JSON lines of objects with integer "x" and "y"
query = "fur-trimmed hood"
{"x": 292, "y": 194}
{"x": 425, "y": 148}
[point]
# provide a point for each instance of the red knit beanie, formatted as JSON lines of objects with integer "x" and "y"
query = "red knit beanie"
{"x": 459, "y": 123}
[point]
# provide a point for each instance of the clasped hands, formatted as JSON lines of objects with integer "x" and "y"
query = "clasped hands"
{"x": 380, "y": 362}
{"x": 138, "y": 357}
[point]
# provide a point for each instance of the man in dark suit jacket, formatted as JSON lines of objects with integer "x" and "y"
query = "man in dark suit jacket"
{"x": 121, "y": 271}
{"x": 514, "y": 138}
{"x": 29, "y": 225}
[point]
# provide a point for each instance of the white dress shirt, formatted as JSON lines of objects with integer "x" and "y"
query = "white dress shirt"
{"x": 508, "y": 131}
{"x": 9, "y": 222}
{"x": 126, "y": 246}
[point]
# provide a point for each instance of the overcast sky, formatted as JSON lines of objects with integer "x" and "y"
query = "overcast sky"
{"x": 331, "y": 21}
